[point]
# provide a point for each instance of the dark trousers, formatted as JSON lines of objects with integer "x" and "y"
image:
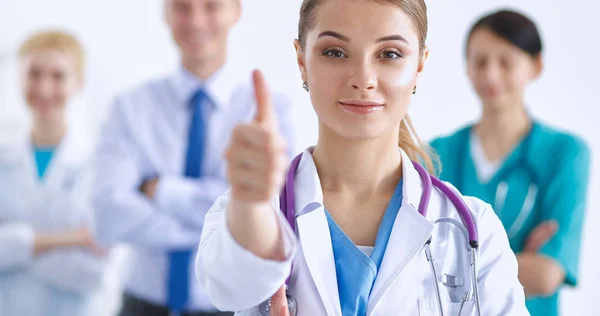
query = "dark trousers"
{"x": 133, "y": 306}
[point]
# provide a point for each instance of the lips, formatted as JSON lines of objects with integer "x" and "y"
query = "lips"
{"x": 361, "y": 103}
{"x": 41, "y": 104}
{"x": 361, "y": 107}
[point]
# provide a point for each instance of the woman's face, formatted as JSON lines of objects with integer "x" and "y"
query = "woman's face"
{"x": 361, "y": 61}
{"x": 499, "y": 71}
{"x": 49, "y": 78}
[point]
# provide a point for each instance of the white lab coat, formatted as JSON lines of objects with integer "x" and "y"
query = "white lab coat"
{"x": 237, "y": 280}
{"x": 58, "y": 282}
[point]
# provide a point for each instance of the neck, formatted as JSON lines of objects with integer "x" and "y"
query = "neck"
{"x": 48, "y": 134}
{"x": 204, "y": 68}
{"x": 358, "y": 166}
{"x": 500, "y": 131}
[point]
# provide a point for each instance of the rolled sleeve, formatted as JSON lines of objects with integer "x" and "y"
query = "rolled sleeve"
{"x": 188, "y": 199}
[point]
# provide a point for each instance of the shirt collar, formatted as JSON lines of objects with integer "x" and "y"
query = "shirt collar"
{"x": 218, "y": 87}
{"x": 74, "y": 149}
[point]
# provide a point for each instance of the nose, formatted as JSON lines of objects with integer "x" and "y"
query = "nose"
{"x": 363, "y": 77}
{"x": 44, "y": 87}
{"x": 492, "y": 73}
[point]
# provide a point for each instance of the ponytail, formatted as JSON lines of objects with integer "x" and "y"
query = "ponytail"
{"x": 416, "y": 149}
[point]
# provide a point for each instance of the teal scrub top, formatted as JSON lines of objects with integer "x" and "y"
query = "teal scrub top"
{"x": 355, "y": 271}
{"x": 545, "y": 177}
{"x": 43, "y": 156}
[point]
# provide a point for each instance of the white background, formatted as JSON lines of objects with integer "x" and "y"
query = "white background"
{"x": 127, "y": 43}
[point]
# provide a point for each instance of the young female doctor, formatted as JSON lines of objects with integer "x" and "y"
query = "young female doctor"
{"x": 360, "y": 240}
{"x": 49, "y": 263}
{"x": 535, "y": 176}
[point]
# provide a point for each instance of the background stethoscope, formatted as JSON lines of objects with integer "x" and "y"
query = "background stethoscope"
{"x": 286, "y": 202}
{"x": 502, "y": 189}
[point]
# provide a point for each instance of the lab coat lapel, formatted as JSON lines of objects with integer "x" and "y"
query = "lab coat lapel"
{"x": 18, "y": 172}
{"x": 67, "y": 160}
{"x": 313, "y": 230}
{"x": 318, "y": 252}
{"x": 410, "y": 232}
{"x": 18, "y": 157}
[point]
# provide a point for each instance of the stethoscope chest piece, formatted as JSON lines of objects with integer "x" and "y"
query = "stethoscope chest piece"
{"x": 264, "y": 309}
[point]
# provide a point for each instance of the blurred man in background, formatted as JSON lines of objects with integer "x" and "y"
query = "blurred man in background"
{"x": 159, "y": 162}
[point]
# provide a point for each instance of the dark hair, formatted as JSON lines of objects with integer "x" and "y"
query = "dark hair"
{"x": 513, "y": 27}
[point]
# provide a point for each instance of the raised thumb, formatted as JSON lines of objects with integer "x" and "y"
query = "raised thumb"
{"x": 264, "y": 104}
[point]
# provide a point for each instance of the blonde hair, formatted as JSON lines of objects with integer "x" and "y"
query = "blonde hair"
{"x": 415, "y": 148}
{"x": 55, "y": 40}
{"x": 408, "y": 139}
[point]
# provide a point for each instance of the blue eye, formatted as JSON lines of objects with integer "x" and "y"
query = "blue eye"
{"x": 391, "y": 54}
{"x": 334, "y": 53}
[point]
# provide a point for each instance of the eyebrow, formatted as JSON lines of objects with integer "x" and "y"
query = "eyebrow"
{"x": 392, "y": 38}
{"x": 334, "y": 34}
{"x": 346, "y": 39}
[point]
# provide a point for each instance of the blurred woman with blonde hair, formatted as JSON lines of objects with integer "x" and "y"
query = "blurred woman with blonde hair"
{"x": 49, "y": 263}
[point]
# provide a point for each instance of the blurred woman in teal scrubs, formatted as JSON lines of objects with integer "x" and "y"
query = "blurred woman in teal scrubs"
{"x": 535, "y": 176}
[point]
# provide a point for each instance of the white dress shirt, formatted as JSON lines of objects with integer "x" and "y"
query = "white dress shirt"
{"x": 146, "y": 135}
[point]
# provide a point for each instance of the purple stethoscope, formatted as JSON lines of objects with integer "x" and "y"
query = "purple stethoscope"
{"x": 286, "y": 202}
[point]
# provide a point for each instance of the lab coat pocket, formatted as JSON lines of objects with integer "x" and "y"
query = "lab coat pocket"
{"x": 429, "y": 307}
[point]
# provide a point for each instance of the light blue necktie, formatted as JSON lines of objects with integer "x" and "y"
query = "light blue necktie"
{"x": 179, "y": 261}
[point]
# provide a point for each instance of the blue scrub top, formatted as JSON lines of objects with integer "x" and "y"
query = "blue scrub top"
{"x": 545, "y": 177}
{"x": 356, "y": 272}
{"x": 43, "y": 156}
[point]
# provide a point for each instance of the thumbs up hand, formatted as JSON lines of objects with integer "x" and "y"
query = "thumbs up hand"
{"x": 256, "y": 157}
